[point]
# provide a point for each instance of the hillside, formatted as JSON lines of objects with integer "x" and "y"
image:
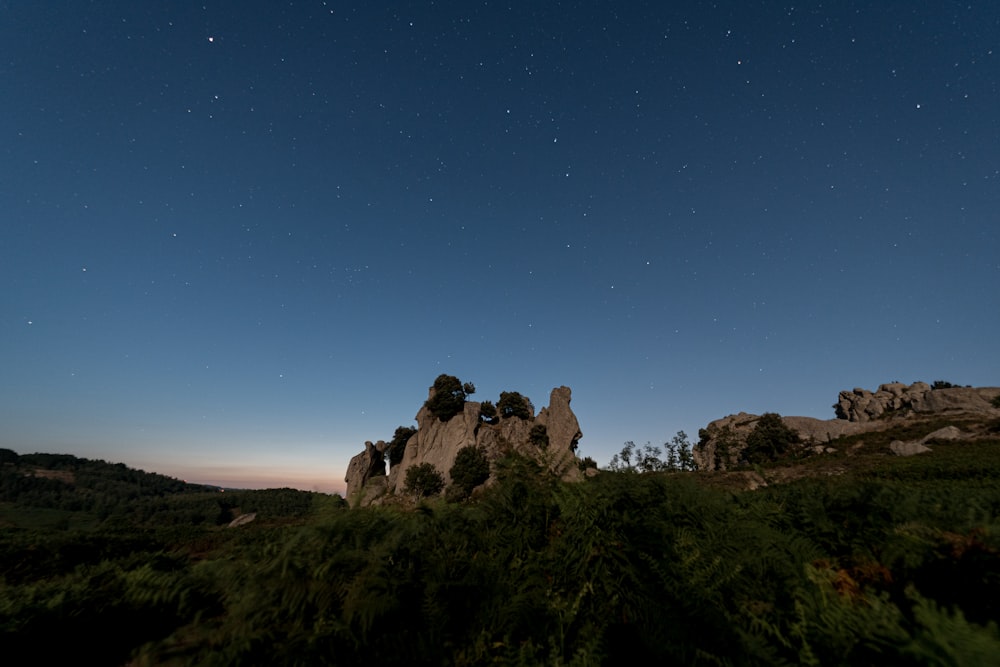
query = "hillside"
{"x": 852, "y": 555}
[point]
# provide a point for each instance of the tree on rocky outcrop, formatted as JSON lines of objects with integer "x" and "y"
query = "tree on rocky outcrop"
{"x": 770, "y": 439}
{"x": 398, "y": 444}
{"x": 488, "y": 412}
{"x": 943, "y": 384}
{"x": 513, "y": 404}
{"x": 470, "y": 470}
{"x": 448, "y": 397}
{"x": 423, "y": 480}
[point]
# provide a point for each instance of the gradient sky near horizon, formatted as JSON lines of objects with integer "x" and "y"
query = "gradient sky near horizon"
{"x": 241, "y": 238}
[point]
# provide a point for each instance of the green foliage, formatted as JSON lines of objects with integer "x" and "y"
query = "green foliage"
{"x": 539, "y": 436}
{"x": 471, "y": 469}
{"x": 895, "y": 563}
{"x": 423, "y": 480}
{"x": 448, "y": 399}
{"x": 488, "y": 412}
{"x": 513, "y": 404}
{"x": 469, "y": 388}
{"x": 398, "y": 444}
{"x": 7, "y": 456}
{"x": 942, "y": 384}
{"x": 769, "y": 440}
{"x": 996, "y": 401}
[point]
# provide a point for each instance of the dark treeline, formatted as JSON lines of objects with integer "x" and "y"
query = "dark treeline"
{"x": 898, "y": 563}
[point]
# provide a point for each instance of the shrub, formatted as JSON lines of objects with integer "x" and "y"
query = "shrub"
{"x": 398, "y": 444}
{"x": 449, "y": 397}
{"x": 488, "y": 412}
{"x": 996, "y": 401}
{"x": 770, "y": 439}
{"x": 513, "y": 404}
{"x": 423, "y": 480}
{"x": 471, "y": 468}
{"x": 539, "y": 436}
{"x": 942, "y": 384}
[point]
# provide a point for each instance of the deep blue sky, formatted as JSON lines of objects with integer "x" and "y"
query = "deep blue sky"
{"x": 241, "y": 238}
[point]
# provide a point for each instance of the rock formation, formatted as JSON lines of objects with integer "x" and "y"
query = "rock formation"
{"x": 858, "y": 411}
{"x": 366, "y": 465}
{"x": 861, "y": 405}
{"x": 438, "y": 442}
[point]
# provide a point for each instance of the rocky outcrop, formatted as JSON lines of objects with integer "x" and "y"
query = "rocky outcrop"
{"x": 438, "y": 443}
{"x": 861, "y": 405}
{"x": 722, "y": 442}
{"x": 364, "y": 466}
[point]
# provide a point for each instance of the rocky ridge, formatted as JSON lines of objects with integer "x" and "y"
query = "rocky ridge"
{"x": 722, "y": 442}
{"x": 437, "y": 442}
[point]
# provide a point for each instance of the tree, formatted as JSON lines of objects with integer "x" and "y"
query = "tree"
{"x": 469, "y": 388}
{"x": 636, "y": 459}
{"x": 769, "y": 439}
{"x": 685, "y": 457}
{"x": 513, "y": 404}
{"x": 448, "y": 398}
{"x": 488, "y": 412}
{"x": 423, "y": 480}
{"x": 471, "y": 468}
{"x": 398, "y": 444}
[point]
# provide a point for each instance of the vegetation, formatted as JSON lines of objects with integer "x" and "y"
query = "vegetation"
{"x": 648, "y": 458}
{"x": 471, "y": 469}
{"x": 448, "y": 398}
{"x": 892, "y": 561}
{"x": 769, "y": 440}
{"x": 513, "y": 404}
{"x": 398, "y": 444}
{"x": 423, "y": 480}
{"x": 539, "y": 436}
{"x": 488, "y": 412}
{"x": 943, "y": 384}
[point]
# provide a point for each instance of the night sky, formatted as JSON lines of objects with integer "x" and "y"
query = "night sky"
{"x": 241, "y": 238}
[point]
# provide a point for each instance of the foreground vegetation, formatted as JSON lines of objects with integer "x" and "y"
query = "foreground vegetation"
{"x": 893, "y": 562}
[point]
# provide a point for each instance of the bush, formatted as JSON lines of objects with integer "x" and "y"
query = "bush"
{"x": 398, "y": 444}
{"x": 512, "y": 404}
{"x": 770, "y": 439}
{"x": 488, "y": 412}
{"x": 449, "y": 397}
{"x": 423, "y": 480}
{"x": 539, "y": 436}
{"x": 471, "y": 468}
{"x": 943, "y": 384}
